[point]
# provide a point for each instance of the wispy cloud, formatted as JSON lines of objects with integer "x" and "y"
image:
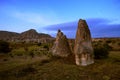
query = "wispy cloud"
{"x": 68, "y": 26}
{"x": 36, "y": 18}
{"x": 26, "y": 19}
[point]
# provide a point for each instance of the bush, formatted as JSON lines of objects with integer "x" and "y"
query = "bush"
{"x": 18, "y": 52}
{"x": 108, "y": 41}
{"x": 25, "y": 71}
{"x": 4, "y": 47}
{"x": 119, "y": 43}
{"x": 31, "y": 53}
{"x": 101, "y": 50}
{"x": 45, "y": 61}
{"x": 46, "y": 47}
{"x": 39, "y": 44}
{"x": 26, "y": 48}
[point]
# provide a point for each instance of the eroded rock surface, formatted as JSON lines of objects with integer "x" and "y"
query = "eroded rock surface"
{"x": 83, "y": 49}
{"x": 61, "y": 46}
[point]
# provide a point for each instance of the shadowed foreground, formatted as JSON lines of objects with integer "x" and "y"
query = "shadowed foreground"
{"x": 60, "y": 69}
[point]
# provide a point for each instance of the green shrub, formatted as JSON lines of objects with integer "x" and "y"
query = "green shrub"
{"x": 119, "y": 43}
{"x": 108, "y": 41}
{"x": 25, "y": 71}
{"x": 31, "y": 53}
{"x": 45, "y": 61}
{"x": 5, "y": 59}
{"x": 18, "y": 52}
{"x": 11, "y": 55}
{"x": 101, "y": 50}
{"x": 4, "y": 47}
{"x": 106, "y": 77}
{"x": 46, "y": 47}
{"x": 39, "y": 44}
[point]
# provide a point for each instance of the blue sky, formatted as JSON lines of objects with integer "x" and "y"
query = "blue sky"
{"x": 21, "y": 15}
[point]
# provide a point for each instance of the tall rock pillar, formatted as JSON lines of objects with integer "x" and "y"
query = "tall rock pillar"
{"x": 83, "y": 49}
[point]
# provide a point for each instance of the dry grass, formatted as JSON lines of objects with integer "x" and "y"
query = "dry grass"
{"x": 58, "y": 69}
{"x": 15, "y": 62}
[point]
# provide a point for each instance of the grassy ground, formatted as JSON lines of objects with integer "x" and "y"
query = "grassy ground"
{"x": 11, "y": 63}
{"x": 61, "y": 69}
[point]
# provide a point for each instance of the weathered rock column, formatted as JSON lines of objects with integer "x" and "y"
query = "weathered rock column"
{"x": 61, "y": 46}
{"x": 83, "y": 47}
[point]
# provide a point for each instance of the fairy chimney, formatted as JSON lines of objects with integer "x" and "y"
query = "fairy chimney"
{"x": 83, "y": 49}
{"x": 61, "y": 46}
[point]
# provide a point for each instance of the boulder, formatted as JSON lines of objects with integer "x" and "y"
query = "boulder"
{"x": 83, "y": 49}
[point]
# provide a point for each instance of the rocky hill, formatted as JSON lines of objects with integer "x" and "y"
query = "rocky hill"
{"x": 6, "y": 35}
{"x": 29, "y": 34}
{"x": 26, "y": 36}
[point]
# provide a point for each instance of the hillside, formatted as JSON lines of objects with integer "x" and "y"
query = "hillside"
{"x": 6, "y": 35}
{"x": 27, "y": 36}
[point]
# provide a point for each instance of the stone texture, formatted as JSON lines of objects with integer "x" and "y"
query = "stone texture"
{"x": 61, "y": 46}
{"x": 83, "y": 47}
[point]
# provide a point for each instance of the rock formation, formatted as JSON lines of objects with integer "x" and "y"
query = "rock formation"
{"x": 61, "y": 46}
{"x": 83, "y": 47}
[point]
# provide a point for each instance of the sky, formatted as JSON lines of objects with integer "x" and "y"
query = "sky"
{"x": 47, "y": 16}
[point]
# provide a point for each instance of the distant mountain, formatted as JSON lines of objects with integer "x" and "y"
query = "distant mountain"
{"x": 43, "y": 35}
{"x": 32, "y": 33}
{"x": 27, "y": 36}
{"x": 6, "y": 35}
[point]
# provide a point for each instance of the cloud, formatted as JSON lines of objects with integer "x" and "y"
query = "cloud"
{"x": 35, "y": 18}
{"x": 27, "y": 19}
{"x": 95, "y": 22}
{"x": 99, "y": 28}
{"x": 63, "y": 26}
{"x": 104, "y": 27}
{"x": 68, "y": 28}
{"x": 106, "y": 30}
{"x": 98, "y": 20}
